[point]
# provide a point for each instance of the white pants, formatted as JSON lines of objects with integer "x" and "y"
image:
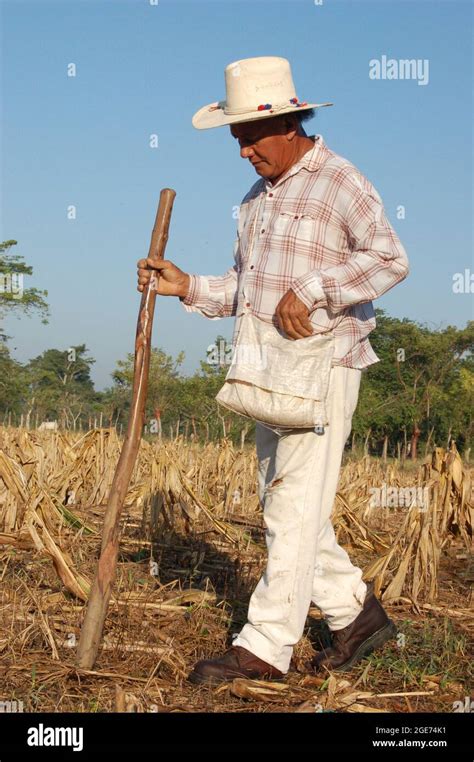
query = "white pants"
{"x": 298, "y": 477}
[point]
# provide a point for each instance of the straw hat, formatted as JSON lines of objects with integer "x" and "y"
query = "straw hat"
{"x": 256, "y": 88}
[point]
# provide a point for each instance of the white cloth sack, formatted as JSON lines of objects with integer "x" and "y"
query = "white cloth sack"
{"x": 276, "y": 380}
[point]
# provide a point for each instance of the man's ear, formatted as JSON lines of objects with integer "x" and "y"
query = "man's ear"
{"x": 291, "y": 126}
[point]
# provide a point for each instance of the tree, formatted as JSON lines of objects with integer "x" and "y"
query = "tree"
{"x": 13, "y": 383}
{"x": 414, "y": 389}
{"x": 60, "y": 384}
{"x": 163, "y": 388}
{"x": 199, "y": 392}
{"x": 13, "y": 296}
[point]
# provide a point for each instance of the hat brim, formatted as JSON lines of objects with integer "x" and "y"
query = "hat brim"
{"x": 213, "y": 114}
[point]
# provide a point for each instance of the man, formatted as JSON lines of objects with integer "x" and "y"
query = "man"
{"x": 323, "y": 249}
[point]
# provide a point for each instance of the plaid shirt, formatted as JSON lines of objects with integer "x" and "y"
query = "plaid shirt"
{"x": 322, "y": 231}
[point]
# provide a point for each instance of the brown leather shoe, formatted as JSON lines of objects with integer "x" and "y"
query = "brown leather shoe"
{"x": 370, "y": 630}
{"x": 236, "y": 662}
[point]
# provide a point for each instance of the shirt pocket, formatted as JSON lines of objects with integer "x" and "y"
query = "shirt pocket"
{"x": 297, "y": 226}
{"x": 310, "y": 240}
{"x": 293, "y": 245}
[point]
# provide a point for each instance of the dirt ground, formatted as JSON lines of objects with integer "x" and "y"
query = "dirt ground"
{"x": 181, "y": 591}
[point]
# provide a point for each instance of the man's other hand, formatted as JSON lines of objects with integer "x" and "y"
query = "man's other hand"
{"x": 293, "y": 316}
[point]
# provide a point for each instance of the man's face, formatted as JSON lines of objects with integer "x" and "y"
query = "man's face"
{"x": 265, "y": 143}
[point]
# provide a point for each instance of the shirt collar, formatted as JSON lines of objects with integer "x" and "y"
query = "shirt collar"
{"x": 311, "y": 160}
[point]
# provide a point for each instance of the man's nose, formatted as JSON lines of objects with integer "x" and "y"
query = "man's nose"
{"x": 246, "y": 152}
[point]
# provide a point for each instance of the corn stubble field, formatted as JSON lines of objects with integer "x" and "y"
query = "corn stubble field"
{"x": 192, "y": 550}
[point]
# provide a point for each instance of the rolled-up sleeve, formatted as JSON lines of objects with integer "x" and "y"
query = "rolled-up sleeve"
{"x": 378, "y": 260}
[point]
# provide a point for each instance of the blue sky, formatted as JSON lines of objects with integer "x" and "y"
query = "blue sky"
{"x": 143, "y": 69}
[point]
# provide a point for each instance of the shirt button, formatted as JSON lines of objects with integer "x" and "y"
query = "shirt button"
{"x": 262, "y": 230}
{"x": 247, "y": 304}
{"x": 270, "y": 195}
{"x": 252, "y": 266}
{"x": 296, "y": 216}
